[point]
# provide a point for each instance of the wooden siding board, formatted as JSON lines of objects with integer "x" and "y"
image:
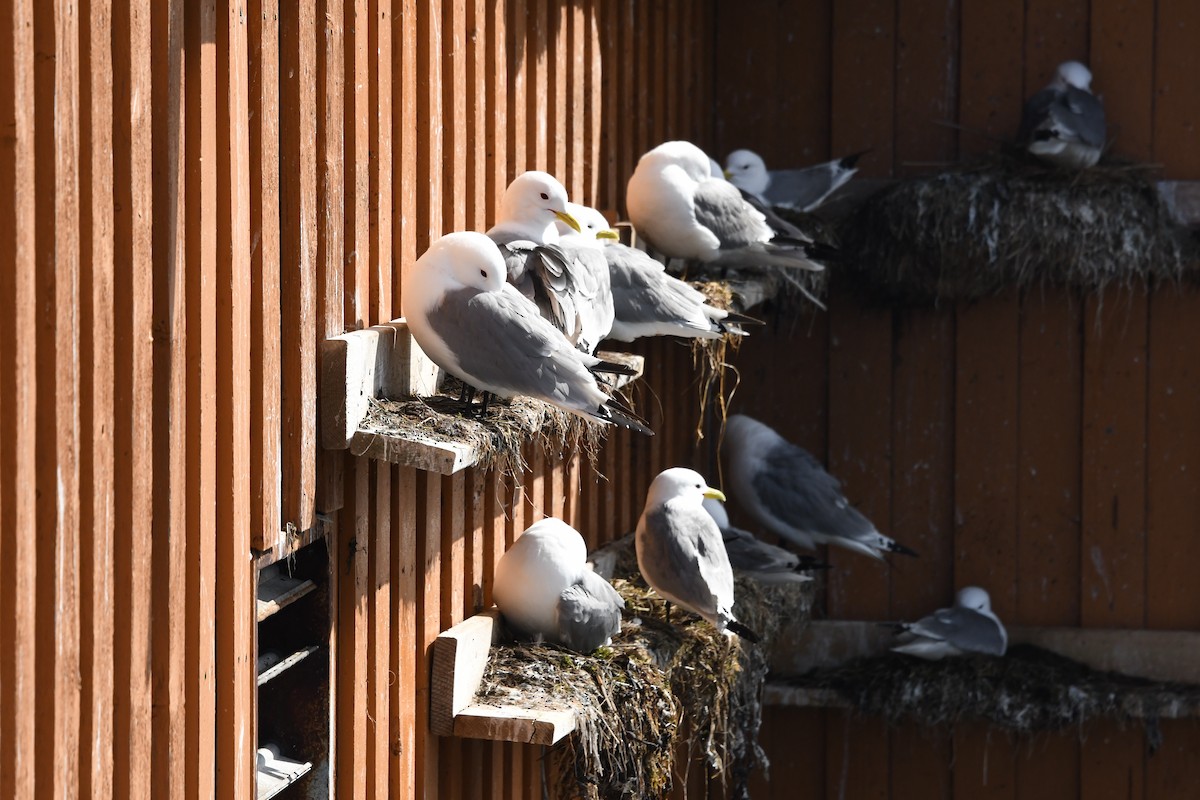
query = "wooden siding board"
{"x": 991, "y": 90}
{"x": 429, "y": 568}
{"x": 1176, "y": 97}
{"x": 380, "y": 102}
{"x": 357, "y": 111}
{"x": 862, "y": 85}
{"x": 1122, "y": 63}
{"x": 404, "y": 598}
{"x": 350, "y": 561}
{"x": 927, "y": 76}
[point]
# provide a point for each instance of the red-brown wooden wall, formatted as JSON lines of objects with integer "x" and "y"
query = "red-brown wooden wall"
{"x": 1043, "y": 445}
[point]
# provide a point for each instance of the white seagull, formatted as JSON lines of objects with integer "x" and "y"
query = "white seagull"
{"x": 569, "y": 284}
{"x": 547, "y": 592}
{"x": 1063, "y": 124}
{"x": 797, "y": 189}
{"x": 789, "y": 493}
{"x": 676, "y": 204}
{"x": 646, "y": 300}
{"x": 968, "y": 627}
{"x": 754, "y": 558}
{"x": 479, "y": 328}
{"x": 680, "y": 552}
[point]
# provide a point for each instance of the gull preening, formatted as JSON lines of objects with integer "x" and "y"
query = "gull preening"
{"x": 680, "y": 552}
{"x": 1064, "y": 124}
{"x": 969, "y": 626}
{"x": 787, "y": 491}
{"x": 479, "y": 328}
{"x": 547, "y": 592}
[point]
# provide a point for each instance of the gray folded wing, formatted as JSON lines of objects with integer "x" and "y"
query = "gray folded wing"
{"x": 644, "y": 295}
{"x": 589, "y": 613}
{"x": 1071, "y": 115}
{"x": 686, "y": 559}
{"x": 748, "y": 553}
{"x": 964, "y": 628}
{"x": 793, "y": 487}
{"x": 805, "y": 189}
{"x": 719, "y": 207}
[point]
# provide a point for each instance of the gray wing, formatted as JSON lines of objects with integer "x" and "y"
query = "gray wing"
{"x": 794, "y": 487}
{"x": 1035, "y": 113}
{"x": 685, "y": 555}
{"x": 720, "y": 208}
{"x": 589, "y": 613}
{"x": 502, "y": 342}
{"x": 805, "y": 189}
{"x": 779, "y": 226}
{"x": 542, "y": 273}
{"x": 965, "y": 628}
{"x": 588, "y": 290}
{"x": 748, "y": 553}
{"x": 644, "y": 294}
{"x": 1082, "y": 115}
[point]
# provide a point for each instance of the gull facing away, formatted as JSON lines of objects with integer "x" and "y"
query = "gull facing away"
{"x": 968, "y": 627}
{"x": 685, "y": 212}
{"x": 547, "y": 592}
{"x": 754, "y": 558}
{"x": 646, "y": 300}
{"x": 479, "y": 328}
{"x": 680, "y": 552}
{"x": 789, "y": 493}
{"x": 796, "y": 189}
{"x": 1063, "y": 124}
{"x": 569, "y": 284}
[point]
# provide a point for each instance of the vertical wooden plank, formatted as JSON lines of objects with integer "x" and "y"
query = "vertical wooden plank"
{"x": 537, "y": 88}
{"x": 454, "y": 106}
{"x": 298, "y": 258}
{"x": 97, "y": 414}
{"x": 357, "y": 256}
{"x": 745, "y": 97}
{"x": 234, "y": 581}
{"x": 926, "y": 85}
{"x": 18, "y": 404}
{"x": 1123, "y": 61}
{"x": 516, "y": 26}
{"x": 404, "y": 598}
{"x": 611, "y": 191}
{"x": 627, "y": 147}
{"x": 479, "y": 75}
{"x": 454, "y": 521}
{"x": 428, "y": 619}
{"x": 265, "y": 470}
{"x": 429, "y": 132}
{"x": 643, "y": 85}
{"x": 1175, "y": 97}
{"x": 56, "y": 176}
{"x": 1113, "y": 547}
{"x": 991, "y": 91}
{"x": 497, "y": 77}
{"x": 404, "y": 134}
{"x": 381, "y": 85}
{"x": 863, "y": 83}
{"x": 133, "y": 538}
{"x": 1055, "y": 31}
{"x": 380, "y": 622}
{"x": 557, "y": 43}
{"x": 585, "y": 78}
{"x": 351, "y": 562}
{"x": 595, "y": 154}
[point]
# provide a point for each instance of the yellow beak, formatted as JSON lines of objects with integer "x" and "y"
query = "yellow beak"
{"x": 609, "y": 234}
{"x": 715, "y": 494}
{"x": 569, "y": 220}
{"x": 727, "y": 174}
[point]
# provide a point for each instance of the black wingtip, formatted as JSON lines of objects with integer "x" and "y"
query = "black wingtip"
{"x": 896, "y": 547}
{"x": 742, "y": 631}
{"x": 849, "y": 162}
{"x": 809, "y": 564}
{"x": 614, "y": 368}
{"x": 617, "y": 414}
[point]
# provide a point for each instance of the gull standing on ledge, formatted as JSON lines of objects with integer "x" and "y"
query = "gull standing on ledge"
{"x": 789, "y": 493}
{"x": 546, "y": 591}
{"x": 968, "y": 627}
{"x": 646, "y": 300}
{"x": 570, "y": 285}
{"x": 1063, "y": 124}
{"x": 684, "y": 212}
{"x": 479, "y": 328}
{"x": 680, "y": 552}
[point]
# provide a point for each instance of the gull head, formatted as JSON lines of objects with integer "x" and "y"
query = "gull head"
{"x": 533, "y": 202}
{"x": 974, "y": 598}
{"x": 558, "y": 539}
{"x": 746, "y": 170}
{"x": 462, "y": 259}
{"x": 592, "y": 224}
{"x": 680, "y": 482}
{"x": 1072, "y": 73}
{"x": 684, "y": 155}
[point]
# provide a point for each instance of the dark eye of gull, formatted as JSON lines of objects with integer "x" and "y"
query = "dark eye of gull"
{"x": 545, "y": 196}
{"x": 483, "y": 272}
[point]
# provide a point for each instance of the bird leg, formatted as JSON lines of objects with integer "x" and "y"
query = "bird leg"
{"x": 466, "y": 394}
{"x": 487, "y": 397}
{"x": 668, "y": 602}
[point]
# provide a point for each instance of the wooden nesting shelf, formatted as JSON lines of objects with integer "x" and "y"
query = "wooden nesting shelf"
{"x": 459, "y": 658}
{"x": 279, "y": 592}
{"x": 277, "y": 773}
{"x": 385, "y": 362}
{"x": 283, "y": 666}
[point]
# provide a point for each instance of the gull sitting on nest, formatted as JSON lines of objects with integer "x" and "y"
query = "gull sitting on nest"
{"x": 754, "y": 558}
{"x": 796, "y": 189}
{"x": 1064, "y": 124}
{"x": 547, "y": 592}
{"x": 968, "y": 627}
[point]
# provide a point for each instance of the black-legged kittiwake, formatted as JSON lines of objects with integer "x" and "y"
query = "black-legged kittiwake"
{"x": 569, "y": 285}
{"x": 968, "y": 627}
{"x": 1063, "y": 124}
{"x": 646, "y": 300}
{"x": 797, "y": 189}
{"x": 547, "y": 592}
{"x": 479, "y": 328}
{"x": 680, "y": 552}
{"x": 787, "y": 491}
{"x": 684, "y": 212}
{"x": 751, "y": 556}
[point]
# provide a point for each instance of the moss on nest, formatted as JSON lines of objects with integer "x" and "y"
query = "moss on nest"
{"x": 1029, "y": 690}
{"x": 659, "y": 687}
{"x": 968, "y": 233}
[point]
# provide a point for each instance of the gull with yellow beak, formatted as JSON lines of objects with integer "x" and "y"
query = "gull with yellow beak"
{"x": 570, "y": 287}
{"x": 680, "y": 552}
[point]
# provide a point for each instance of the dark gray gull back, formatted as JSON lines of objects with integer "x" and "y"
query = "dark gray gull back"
{"x": 806, "y": 189}
{"x": 589, "y": 613}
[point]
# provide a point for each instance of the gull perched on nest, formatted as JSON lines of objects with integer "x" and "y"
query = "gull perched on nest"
{"x": 546, "y": 591}
{"x": 796, "y": 189}
{"x": 684, "y": 212}
{"x": 569, "y": 284}
{"x": 751, "y": 556}
{"x": 789, "y": 493}
{"x": 1064, "y": 123}
{"x": 479, "y": 328}
{"x": 968, "y": 627}
{"x": 680, "y": 552}
{"x": 646, "y": 300}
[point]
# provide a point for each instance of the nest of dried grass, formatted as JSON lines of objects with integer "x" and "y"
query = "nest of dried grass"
{"x": 1029, "y": 690}
{"x": 497, "y": 438}
{"x": 659, "y": 690}
{"x": 970, "y": 232}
